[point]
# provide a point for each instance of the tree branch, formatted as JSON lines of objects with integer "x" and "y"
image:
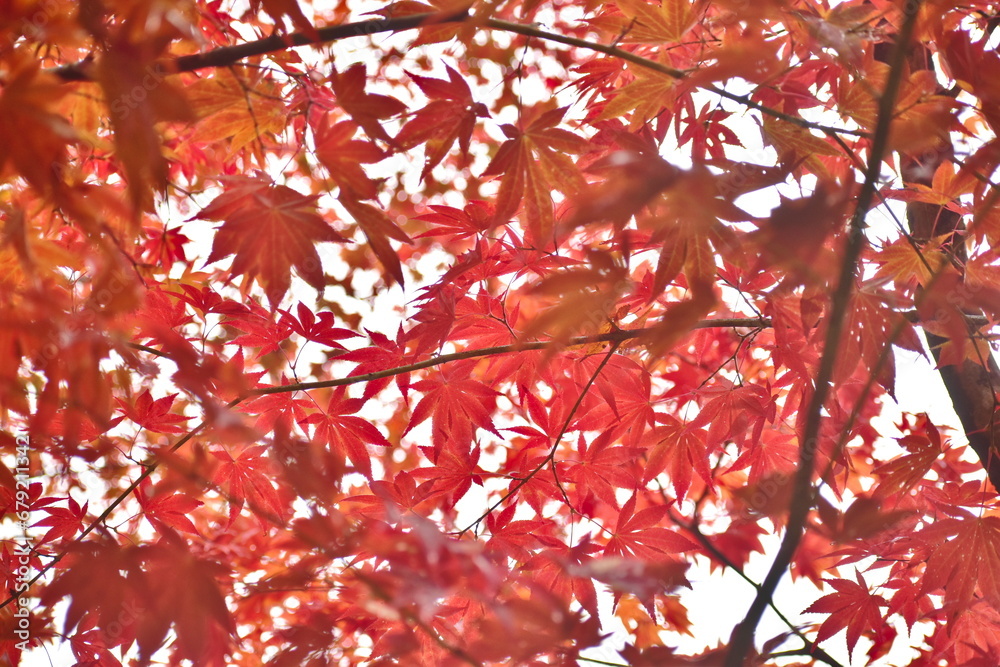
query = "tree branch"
{"x": 742, "y": 644}
{"x": 971, "y": 383}
{"x": 646, "y": 63}
{"x": 813, "y": 649}
{"x": 230, "y": 55}
{"x": 610, "y": 337}
{"x": 615, "y": 337}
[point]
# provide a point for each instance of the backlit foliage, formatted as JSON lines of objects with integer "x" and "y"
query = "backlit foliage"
{"x": 466, "y": 332}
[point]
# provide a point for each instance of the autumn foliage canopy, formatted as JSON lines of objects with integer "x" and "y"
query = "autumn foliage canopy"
{"x": 450, "y": 332}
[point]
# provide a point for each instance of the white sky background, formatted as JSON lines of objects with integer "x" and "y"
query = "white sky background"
{"x": 718, "y": 601}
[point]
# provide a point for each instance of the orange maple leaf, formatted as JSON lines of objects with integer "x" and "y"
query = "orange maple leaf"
{"x": 237, "y": 104}
{"x": 667, "y": 22}
{"x": 26, "y": 112}
{"x": 138, "y": 96}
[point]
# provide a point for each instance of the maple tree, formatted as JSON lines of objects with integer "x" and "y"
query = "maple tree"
{"x": 464, "y": 332}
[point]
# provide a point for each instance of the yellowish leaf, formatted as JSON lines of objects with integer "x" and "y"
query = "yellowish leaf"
{"x": 901, "y": 263}
{"x": 651, "y": 23}
{"x": 788, "y": 138}
{"x": 645, "y": 97}
{"x": 237, "y": 106}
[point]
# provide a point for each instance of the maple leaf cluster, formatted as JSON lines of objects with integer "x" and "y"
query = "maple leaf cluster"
{"x": 481, "y": 332}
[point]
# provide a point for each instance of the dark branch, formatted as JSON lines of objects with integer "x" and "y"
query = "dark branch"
{"x": 230, "y": 55}
{"x": 742, "y": 645}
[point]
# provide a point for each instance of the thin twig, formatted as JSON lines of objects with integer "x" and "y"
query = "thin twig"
{"x": 610, "y": 337}
{"x": 150, "y": 350}
{"x": 646, "y": 63}
{"x": 595, "y": 661}
{"x": 551, "y": 457}
{"x": 910, "y": 316}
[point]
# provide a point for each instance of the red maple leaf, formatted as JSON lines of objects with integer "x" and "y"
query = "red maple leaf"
{"x": 277, "y": 409}
{"x": 339, "y": 428}
{"x": 63, "y": 522}
{"x": 516, "y": 538}
{"x": 197, "y": 611}
{"x": 90, "y": 648}
{"x": 449, "y": 116}
{"x": 261, "y": 329}
{"x": 966, "y": 556}
{"x": 279, "y": 9}
{"x": 94, "y": 579}
{"x": 679, "y": 450}
{"x": 383, "y": 355}
{"x": 270, "y": 229}
{"x": 853, "y": 607}
{"x": 476, "y": 217}
{"x": 378, "y": 229}
{"x": 166, "y": 511}
{"x": 165, "y": 247}
{"x": 454, "y": 472}
{"x": 640, "y": 534}
{"x": 319, "y": 329}
{"x": 532, "y": 163}
{"x": 366, "y": 109}
{"x": 553, "y": 569}
{"x": 343, "y": 155}
{"x": 737, "y": 413}
{"x": 153, "y": 415}
{"x": 248, "y": 477}
{"x": 457, "y": 406}
{"x": 403, "y": 492}
{"x": 602, "y": 468}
